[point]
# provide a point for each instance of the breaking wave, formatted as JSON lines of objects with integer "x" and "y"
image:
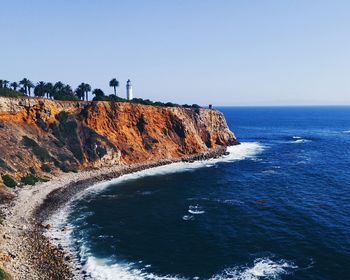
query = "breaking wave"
{"x": 246, "y": 150}
{"x": 262, "y": 268}
{"x": 195, "y": 209}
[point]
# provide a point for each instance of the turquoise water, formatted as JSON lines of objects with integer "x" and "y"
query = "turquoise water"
{"x": 278, "y": 207}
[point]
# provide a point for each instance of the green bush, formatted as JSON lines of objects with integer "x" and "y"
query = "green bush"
{"x": 68, "y": 128}
{"x": 142, "y": 101}
{"x": 46, "y": 168}
{"x": 9, "y": 181}
{"x": 62, "y": 117}
{"x": 29, "y": 143}
{"x": 64, "y": 167}
{"x": 32, "y": 170}
{"x": 67, "y": 97}
{"x": 40, "y": 152}
{"x": 4, "y": 275}
{"x": 58, "y": 143}
{"x": 29, "y": 179}
{"x": 10, "y": 93}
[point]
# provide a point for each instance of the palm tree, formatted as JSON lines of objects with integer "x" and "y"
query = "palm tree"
{"x": 14, "y": 85}
{"x": 86, "y": 88}
{"x": 1, "y": 83}
{"x": 57, "y": 89}
{"x": 67, "y": 90}
{"x": 5, "y": 83}
{"x": 98, "y": 92}
{"x": 27, "y": 85}
{"x": 80, "y": 92}
{"x": 114, "y": 83}
{"x": 30, "y": 86}
{"x": 49, "y": 90}
{"x": 39, "y": 90}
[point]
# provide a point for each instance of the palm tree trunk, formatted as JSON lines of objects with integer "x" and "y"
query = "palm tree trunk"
{"x": 115, "y": 91}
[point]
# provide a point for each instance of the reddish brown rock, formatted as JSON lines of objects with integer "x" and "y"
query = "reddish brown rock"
{"x": 80, "y": 135}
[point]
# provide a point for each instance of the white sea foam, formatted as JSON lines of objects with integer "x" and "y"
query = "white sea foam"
{"x": 246, "y": 150}
{"x": 346, "y": 131}
{"x": 196, "y": 210}
{"x": 263, "y": 268}
{"x": 103, "y": 269}
{"x": 298, "y": 140}
{"x": 302, "y": 141}
{"x": 100, "y": 269}
{"x": 188, "y": 218}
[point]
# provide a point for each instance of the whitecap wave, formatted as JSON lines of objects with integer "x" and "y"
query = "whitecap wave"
{"x": 262, "y": 268}
{"x": 195, "y": 209}
{"x": 188, "y": 217}
{"x": 346, "y": 131}
{"x": 100, "y": 269}
{"x": 299, "y": 139}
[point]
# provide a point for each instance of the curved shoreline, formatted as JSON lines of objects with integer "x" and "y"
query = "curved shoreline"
{"x": 25, "y": 252}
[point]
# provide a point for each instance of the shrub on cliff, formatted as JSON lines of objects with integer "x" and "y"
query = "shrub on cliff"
{"x": 10, "y": 93}
{"x": 8, "y": 181}
{"x": 29, "y": 179}
{"x": 4, "y": 275}
{"x": 46, "y": 168}
{"x": 62, "y": 117}
{"x": 66, "y": 168}
{"x": 40, "y": 152}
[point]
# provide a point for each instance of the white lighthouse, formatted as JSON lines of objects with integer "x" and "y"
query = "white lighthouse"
{"x": 129, "y": 90}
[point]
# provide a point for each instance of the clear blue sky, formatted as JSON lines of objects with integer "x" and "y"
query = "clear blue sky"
{"x": 262, "y": 52}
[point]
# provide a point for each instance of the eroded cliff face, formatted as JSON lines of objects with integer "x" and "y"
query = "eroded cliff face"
{"x": 78, "y": 135}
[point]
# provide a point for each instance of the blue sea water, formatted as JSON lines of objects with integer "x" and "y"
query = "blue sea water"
{"x": 278, "y": 207}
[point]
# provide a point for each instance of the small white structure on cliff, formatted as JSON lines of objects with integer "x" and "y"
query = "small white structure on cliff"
{"x": 129, "y": 90}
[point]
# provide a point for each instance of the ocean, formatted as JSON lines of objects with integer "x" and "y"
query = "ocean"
{"x": 277, "y": 207}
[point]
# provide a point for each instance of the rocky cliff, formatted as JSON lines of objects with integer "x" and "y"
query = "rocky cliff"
{"x": 45, "y": 137}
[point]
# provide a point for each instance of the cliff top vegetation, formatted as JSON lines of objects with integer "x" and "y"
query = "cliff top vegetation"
{"x": 61, "y": 91}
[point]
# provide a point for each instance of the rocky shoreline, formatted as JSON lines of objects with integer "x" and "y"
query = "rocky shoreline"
{"x": 25, "y": 252}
